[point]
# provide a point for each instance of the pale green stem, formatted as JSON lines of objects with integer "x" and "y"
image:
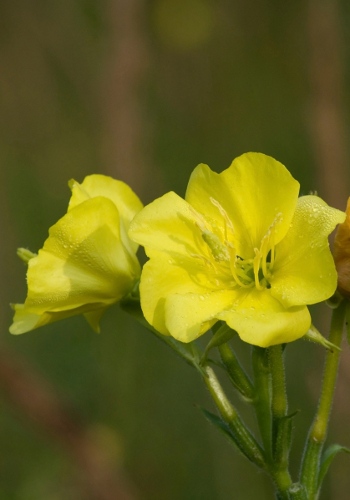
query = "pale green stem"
{"x": 318, "y": 431}
{"x": 262, "y": 400}
{"x": 280, "y": 425}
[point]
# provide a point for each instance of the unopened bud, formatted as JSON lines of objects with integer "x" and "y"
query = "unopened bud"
{"x": 342, "y": 254}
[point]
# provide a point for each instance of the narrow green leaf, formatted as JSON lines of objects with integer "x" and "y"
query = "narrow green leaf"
{"x": 236, "y": 440}
{"x": 218, "y": 423}
{"x": 327, "y": 459}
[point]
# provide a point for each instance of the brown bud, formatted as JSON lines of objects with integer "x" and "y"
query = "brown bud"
{"x": 342, "y": 254}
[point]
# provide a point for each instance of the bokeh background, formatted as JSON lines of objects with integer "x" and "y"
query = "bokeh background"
{"x": 144, "y": 91}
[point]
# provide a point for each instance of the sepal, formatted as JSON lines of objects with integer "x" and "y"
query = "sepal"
{"x": 221, "y": 336}
{"x": 25, "y": 255}
{"x": 315, "y": 336}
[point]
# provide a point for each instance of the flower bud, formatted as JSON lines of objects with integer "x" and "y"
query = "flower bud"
{"x": 342, "y": 254}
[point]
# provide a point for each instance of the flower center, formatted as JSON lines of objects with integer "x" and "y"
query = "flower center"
{"x": 246, "y": 273}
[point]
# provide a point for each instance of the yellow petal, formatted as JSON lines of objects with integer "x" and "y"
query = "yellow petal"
{"x": 25, "y": 319}
{"x": 189, "y": 315}
{"x": 254, "y": 192}
{"x": 161, "y": 277}
{"x": 304, "y": 271}
{"x": 261, "y": 319}
{"x": 123, "y": 197}
{"x": 170, "y": 225}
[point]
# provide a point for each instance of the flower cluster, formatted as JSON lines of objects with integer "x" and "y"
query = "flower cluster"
{"x": 242, "y": 247}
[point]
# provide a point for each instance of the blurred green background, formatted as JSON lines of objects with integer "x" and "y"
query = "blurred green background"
{"x": 144, "y": 91}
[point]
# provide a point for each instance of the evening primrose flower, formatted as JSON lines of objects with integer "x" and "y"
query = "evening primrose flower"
{"x": 88, "y": 261}
{"x": 342, "y": 254}
{"x": 242, "y": 248}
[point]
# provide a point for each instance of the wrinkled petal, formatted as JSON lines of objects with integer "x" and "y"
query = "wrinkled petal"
{"x": 26, "y": 319}
{"x": 189, "y": 315}
{"x": 170, "y": 225}
{"x": 123, "y": 197}
{"x": 83, "y": 266}
{"x": 94, "y": 317}
{"x": 304, "y": 271}
{"x": 162, "y": 277}
{"x": 254, "y": 192}
{"x": 262, "y": 320}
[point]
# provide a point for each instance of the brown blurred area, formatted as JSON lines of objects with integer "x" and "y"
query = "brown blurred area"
{"x": 144, "y": 91}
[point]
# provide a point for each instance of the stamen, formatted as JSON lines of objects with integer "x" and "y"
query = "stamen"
{"x": 202, "y": 257}
{"x": 272, "y": 256}
{"x": 233, "y": 261}
{"x": 257, "y": 260}
{"x": 227, "y": 220}
{"x": 264, "y": 250}
{"x": 218, "y": 249}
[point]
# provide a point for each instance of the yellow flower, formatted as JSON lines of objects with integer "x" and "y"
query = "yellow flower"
{"x": 88, "y": 261}
{"x": 242, "y": 248}
{"x": 342, "y": 254}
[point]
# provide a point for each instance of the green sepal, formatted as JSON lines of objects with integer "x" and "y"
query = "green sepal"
{"x": 236, "y": 373}
{"x": 327, "y": 459}
{"x": 189, "y": 352}
{"x": 221, "y": 336}
{"x": 315, "y": 336}
{"x": 25, "y": 255}
{"x": 335, "y": 301}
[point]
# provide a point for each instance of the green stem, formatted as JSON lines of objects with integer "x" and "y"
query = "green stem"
{"x": 262, "y": 401}
{"x": 279, "y": 396}
{"x": 318, "y": 431}
{"x": 236, "y": 373}
{"x": 243, "y": 438}
{"x": 281, "y": 424}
